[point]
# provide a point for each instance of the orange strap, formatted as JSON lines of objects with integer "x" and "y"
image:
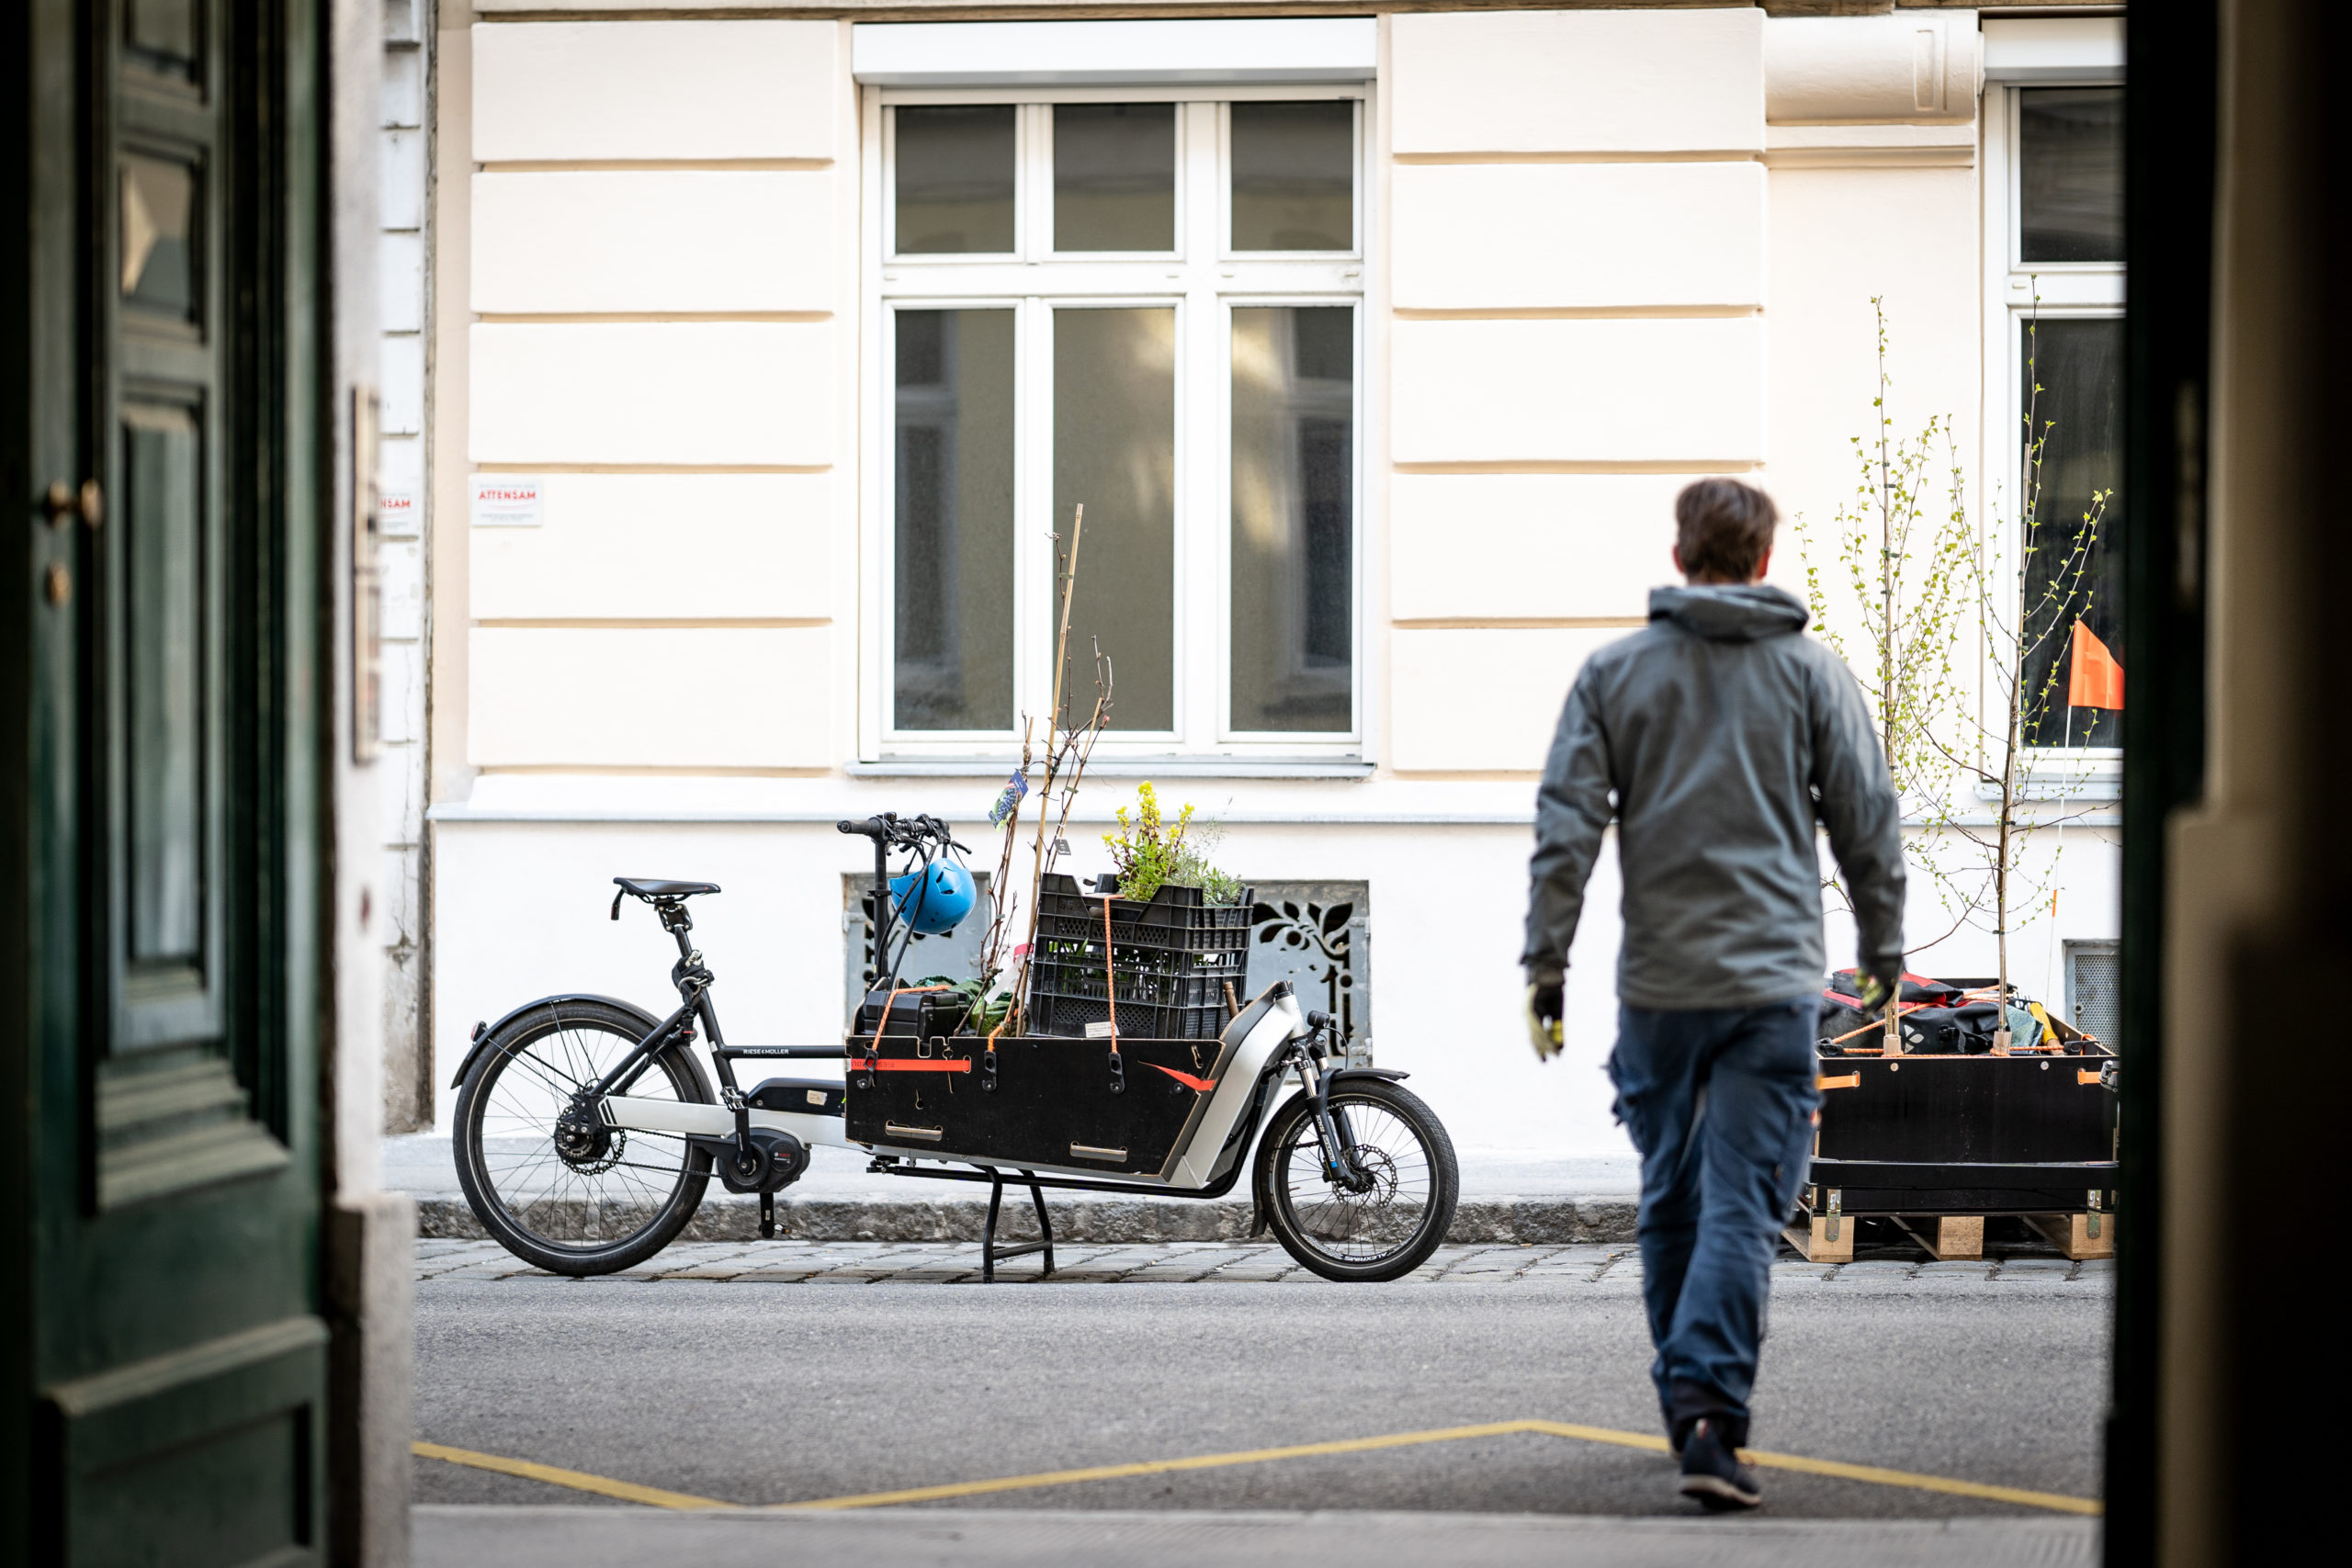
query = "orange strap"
{"x": 1851, "y": 1081}
{"x": 1110, "y": 975}
{"x": 1878, "y": 1022}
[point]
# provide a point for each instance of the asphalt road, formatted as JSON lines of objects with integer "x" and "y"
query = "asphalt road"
{"x": 876, "y": 1372}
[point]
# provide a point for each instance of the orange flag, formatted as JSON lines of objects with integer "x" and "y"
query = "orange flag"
{"x": 2096, "y": 680}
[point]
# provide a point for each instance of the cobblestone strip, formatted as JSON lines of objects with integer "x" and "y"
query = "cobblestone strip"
{"x": 1606, "y": 1266}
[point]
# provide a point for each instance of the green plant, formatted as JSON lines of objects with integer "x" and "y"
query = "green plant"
{"x": 988, "y": 1009}
{"x": 1911, "y": 584}
{"x": 2021, "y": 619}
{"x": 1892, "y": 603}
{"x": 1150, "y": 853}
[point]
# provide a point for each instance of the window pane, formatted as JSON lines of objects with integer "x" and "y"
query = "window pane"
{"x": 952, "y": 521}
{"x": 163, "y": 598}
{"x": 1294, "y": 177}
{"x": 2070, "y": 167}
{"x": 954, "y": 179}
{"x": 162, "y": 34}
{"x": 158, "y": 206}
{"x": 1294, "y": 518}
{"x": 1114, "y": 453}
{"x": 2080, "y": 415}
{"x": 1114, "y": 176}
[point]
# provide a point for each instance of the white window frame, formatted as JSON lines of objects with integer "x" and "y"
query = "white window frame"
{"x": 1205, "y": 281}
{"x": 2066, "y": 290}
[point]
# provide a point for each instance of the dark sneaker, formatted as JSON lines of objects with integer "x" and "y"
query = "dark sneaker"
{"x": 1712, "y": 1471}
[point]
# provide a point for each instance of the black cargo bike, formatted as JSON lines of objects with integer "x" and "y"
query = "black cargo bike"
{"x": 588, "y": 1130}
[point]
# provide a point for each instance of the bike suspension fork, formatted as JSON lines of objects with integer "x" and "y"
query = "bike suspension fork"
{"x": 1338, "y": 1141}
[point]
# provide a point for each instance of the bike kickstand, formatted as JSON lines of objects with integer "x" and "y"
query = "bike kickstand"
{"x": 990, "y": 1252}
{"x": 988, "y": 1232}
{"x": 767, "y": 1217}
{"x": 1045, "y": 1224}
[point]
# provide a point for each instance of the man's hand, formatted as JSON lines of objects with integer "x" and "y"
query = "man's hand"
{"x": 1874, "y": 991}
{"x": 1543, "y": 1027}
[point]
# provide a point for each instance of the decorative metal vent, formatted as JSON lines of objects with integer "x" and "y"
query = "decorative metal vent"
{"x": 2094, "y": 989}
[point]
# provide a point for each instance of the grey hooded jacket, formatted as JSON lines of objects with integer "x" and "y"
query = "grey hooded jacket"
{"x": 1716, "y": 736}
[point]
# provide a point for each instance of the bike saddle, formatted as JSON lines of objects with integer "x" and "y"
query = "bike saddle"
{"x": 644, "y": 887}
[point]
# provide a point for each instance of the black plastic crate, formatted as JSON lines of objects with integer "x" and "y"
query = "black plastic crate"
{"x": 1187, "y": 1000}
{"x": 1173, "y": 916}
{"x": 1134, "y": 958}
{"x": 1068, "y": 1016}
{"x": 1084, "y": 978}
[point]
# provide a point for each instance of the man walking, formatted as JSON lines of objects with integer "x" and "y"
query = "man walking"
{"x": 1716, "y": 736}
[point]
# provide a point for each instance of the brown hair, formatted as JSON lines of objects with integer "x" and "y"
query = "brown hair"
{"x": 1722, "y": 529}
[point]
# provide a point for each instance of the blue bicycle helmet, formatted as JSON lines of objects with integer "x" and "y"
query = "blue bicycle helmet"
{"x": 936, "y": 899}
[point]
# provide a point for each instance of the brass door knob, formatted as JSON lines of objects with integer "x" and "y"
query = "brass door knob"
{"x": 88, "y": 502}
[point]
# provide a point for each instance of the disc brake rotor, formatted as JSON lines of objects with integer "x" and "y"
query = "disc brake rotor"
{"x": 1380, "y": 1178}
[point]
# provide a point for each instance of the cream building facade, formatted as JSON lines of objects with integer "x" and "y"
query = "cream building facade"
{"x": 766, "y": 352}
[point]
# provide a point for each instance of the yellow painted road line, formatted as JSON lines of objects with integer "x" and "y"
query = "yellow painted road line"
{"x": 2059, "y": 1502}
{"x": 1872, "y": 1474}
{"x": 578, "y": 1480}
{"x": 1158, "y": 1467}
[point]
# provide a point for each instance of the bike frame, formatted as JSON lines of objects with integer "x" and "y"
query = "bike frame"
{"x": 1283, "y": 1041}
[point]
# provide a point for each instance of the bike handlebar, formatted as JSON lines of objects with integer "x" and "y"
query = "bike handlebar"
{"x": 908, "y": 832}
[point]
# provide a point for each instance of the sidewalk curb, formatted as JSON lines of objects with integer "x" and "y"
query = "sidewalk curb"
{"x": 728, "y": 1217}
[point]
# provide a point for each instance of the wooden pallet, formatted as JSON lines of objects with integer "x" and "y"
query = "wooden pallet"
{"x": 2078, "y": 1235}
{"x": 1829, "y": 1239}
{"x": 1948, "y": 1238}
{"x": 1826, "y": 1238}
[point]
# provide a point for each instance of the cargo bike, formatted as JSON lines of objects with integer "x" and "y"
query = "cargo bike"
{"x": 588, "y": 1130}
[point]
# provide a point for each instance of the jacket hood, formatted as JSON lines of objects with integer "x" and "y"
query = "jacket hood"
{"x": 1729, "y": 613}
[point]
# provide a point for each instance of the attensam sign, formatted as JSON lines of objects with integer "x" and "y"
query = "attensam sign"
{"x": 504, "y": 500}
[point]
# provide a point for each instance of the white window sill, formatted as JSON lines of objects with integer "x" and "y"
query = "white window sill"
{"x": 1125, "y": 768}
{"x": 2055, "y": 775}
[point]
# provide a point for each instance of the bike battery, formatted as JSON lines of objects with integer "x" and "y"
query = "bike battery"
{"x": 805, "y": 1097}
{"x": 914, "y": 1015}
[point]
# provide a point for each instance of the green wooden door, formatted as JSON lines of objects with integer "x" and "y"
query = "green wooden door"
{"x": 166, "y": 789}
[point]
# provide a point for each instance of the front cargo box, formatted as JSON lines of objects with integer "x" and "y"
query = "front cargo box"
{"x": 1053, "y": 1103}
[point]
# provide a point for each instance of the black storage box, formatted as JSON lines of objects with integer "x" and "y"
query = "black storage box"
{"x": 2030, "y": 1134}
{"x": 914, "y": 1015}
{"x": 1053, "y": 1102}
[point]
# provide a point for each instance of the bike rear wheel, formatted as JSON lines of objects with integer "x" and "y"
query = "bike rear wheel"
{"x": 542, "y": 1172}
{"x": 1407, "y": 1183}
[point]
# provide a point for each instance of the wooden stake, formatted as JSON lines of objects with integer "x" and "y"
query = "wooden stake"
{"x": 1053, "y": 765}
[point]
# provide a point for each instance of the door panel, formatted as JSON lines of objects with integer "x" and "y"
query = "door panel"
{"x": 162, "y": 1071}
{"x": 167, "y": 360}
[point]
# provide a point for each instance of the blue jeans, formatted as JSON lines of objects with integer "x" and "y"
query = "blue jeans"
{"x": 1720, "y": 1103}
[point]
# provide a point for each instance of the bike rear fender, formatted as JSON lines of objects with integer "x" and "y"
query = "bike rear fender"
{"x": 486, "y": 1032}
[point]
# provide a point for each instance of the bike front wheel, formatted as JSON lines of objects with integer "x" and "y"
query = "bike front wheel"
{"x": 1380, "y": 1219}
{"x": 546, "y": 1177}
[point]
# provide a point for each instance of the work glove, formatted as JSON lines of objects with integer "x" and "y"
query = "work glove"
{"x": 1543, "y": 1027}
{"x": 1874, "y": 990}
